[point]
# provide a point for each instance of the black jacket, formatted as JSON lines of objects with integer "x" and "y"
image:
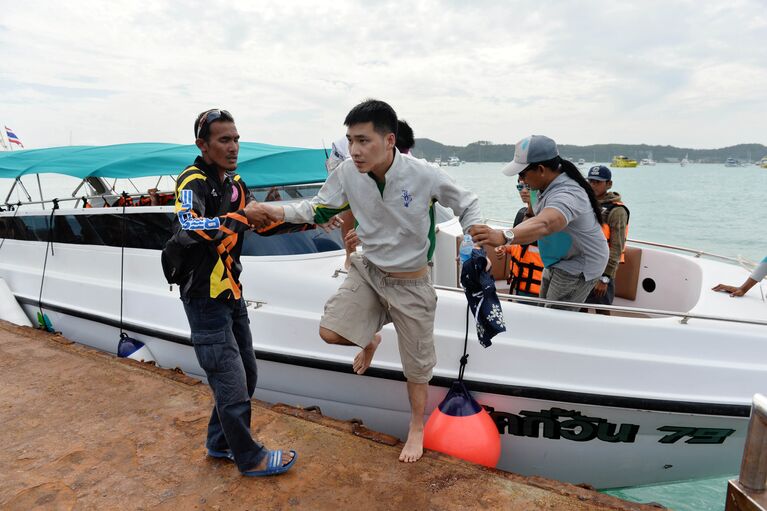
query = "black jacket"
{"x": 210, "y": 224}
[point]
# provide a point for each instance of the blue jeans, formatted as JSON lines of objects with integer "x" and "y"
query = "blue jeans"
{"x": 224, "y": 349}
{"x": 606, "y": 299}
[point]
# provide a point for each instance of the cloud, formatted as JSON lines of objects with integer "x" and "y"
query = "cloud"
{"x": 585, "y": 72}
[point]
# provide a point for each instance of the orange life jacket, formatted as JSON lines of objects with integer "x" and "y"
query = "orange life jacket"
{"x": 165, "y": 199}
{"x": 606, "y": 210}
{"x": 526, "y": 269}
{"x": 122, "y": 201}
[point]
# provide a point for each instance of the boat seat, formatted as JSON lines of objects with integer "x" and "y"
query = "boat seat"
{"x": 500, "y": 267}
{"x": 627, "y": 277}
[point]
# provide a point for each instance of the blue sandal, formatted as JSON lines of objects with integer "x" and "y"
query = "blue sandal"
{"x": 226, "y": 454}
{"x": 274, "y": 465}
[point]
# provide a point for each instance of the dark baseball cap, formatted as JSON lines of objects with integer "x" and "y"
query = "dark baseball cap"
{"x": 600, "y": 173}
{"x": 533, "y": 149}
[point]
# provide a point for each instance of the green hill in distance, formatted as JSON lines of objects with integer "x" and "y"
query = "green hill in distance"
{"x": 487, "y": 151}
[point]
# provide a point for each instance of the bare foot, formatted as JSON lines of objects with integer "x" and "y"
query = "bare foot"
{"x": 413, "y": 449}
{"x": 363, "y": 359}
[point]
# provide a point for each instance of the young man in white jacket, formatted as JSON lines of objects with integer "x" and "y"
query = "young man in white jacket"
{"x": 393, "y": 198}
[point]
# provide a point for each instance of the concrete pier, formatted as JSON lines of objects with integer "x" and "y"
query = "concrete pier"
{"x": 83, "y": 429}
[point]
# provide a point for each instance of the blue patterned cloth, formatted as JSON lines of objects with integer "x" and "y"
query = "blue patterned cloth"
{"x": 479, "y": 287}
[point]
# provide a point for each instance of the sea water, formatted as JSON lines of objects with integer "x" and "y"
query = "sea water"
{"x": 705, "y": 207}
{"x": 702, "y": 206}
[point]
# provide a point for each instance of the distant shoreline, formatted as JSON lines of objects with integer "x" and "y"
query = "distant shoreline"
{"x": 485, "y": 151}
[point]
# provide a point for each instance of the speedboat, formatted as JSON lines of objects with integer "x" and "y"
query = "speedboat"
{"x": 623, "y": 161}
{"x": 732, "y": 162}
{"x": 763, "y": 162}
{"x": 453, "y": 161}
{"x": 658, "y": 391}
{"x": 648, "y": 160}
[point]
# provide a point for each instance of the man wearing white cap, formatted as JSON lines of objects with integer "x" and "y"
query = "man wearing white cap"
{"x": 566, "y": 224}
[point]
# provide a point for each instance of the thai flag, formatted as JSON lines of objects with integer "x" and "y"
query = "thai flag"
{"x": 12, "y": 138}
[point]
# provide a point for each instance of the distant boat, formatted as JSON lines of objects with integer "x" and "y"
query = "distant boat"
{"x": 684, "y": 161}
{"x": 622, "y": 161}
{"x": 648, "y": 160}
{"x": 763, "y": 162}
{"x": 453, "y": 161}
{"x": 438, "y": 161}
{"x": 581, "y": 162}
{"x": 732, "y": 162}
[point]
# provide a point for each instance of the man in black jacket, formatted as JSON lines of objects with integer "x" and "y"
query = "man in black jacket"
{"x": 214, "y": 209}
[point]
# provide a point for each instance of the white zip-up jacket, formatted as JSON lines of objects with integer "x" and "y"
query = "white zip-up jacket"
{"x": 396, "y": 225}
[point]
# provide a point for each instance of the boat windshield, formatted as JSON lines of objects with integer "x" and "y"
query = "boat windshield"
{"x": 149, "y": 230}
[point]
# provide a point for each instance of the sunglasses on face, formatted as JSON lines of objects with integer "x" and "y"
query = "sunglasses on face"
{"x": 522, "y": 186}
{"x": 526, "y": 170}
{"x": 210, "y": 116}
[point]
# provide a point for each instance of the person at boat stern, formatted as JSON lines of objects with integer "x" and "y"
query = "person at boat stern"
{"x": 566, "y": 222}
{"x": 756, "y": 276}
{"x": 615, "y": 225}
{"x": 214, "y": 208}
{"x": 393, "y": 197}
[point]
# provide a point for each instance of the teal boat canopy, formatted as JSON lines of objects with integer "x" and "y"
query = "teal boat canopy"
{"x": 260, "y": 165}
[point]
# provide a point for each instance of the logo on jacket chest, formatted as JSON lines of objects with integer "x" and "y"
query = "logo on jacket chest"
{"x": 406, "y": 198}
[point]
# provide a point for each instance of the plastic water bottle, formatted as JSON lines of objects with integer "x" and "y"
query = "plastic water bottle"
{"x": 467, "y": 245}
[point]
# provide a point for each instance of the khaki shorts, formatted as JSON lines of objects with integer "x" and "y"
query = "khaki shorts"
{"x": 369, "y": 299}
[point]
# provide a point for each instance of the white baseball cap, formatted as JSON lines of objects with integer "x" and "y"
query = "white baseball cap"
{"x": 533, "y": 149}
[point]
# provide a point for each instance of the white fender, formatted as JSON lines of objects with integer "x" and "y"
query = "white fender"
{"x": 10, "y": 310}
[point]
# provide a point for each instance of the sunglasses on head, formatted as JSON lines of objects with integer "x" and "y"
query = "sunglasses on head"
{"x": 209, "y": 117}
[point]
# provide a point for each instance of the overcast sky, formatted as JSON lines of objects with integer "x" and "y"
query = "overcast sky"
{"x": 684, "y": 73}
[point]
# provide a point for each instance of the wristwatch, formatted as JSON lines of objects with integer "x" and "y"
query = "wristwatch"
{"x": 509, "y": 235}
{"x": 604, "y": 279}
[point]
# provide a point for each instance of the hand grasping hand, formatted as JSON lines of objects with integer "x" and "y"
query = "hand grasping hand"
{"x": 261, "y": 215}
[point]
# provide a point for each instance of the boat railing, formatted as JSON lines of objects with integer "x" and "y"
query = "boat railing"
{"x": 695, "y": 252}
{"x": 685, "y": 317}
{"x": 76, "y": 199}
{"x": 112, "y": 194}
{"x": 747, "y": 492}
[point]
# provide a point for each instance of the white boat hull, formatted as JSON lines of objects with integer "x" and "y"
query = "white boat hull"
{"x": 557, "y": 439}
{"x": 608, "y": 401}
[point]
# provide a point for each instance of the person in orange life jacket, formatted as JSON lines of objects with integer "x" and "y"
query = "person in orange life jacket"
{"x": 526, "y": 267}
{"x": 214, "y": 209}
{"x": 615, "y": 219}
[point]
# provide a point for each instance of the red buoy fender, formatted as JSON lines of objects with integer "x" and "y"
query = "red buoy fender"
{"x": 460, "y": 427}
